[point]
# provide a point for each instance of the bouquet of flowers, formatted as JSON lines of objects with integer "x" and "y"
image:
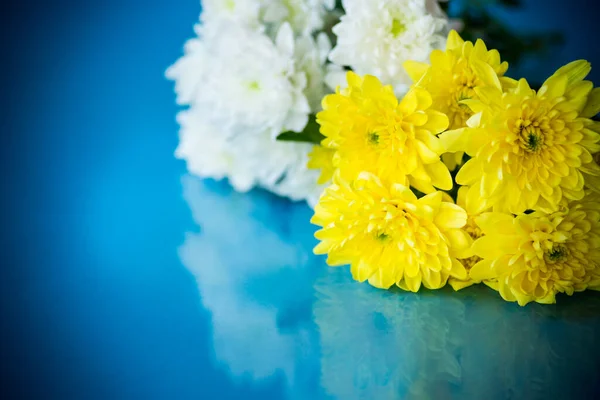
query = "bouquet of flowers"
{"x": 428, "y": 165}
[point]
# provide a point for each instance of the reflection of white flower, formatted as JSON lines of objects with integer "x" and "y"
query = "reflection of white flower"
{"x": 251, "y": 277}
{"x": 376, "y": 36}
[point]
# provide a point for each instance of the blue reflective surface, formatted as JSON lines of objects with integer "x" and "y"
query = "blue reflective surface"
{"x": 279, "y": 312}
{"x": 124, "y": 278}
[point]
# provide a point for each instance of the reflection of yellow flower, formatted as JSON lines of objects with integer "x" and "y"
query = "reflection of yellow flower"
{"x": 322, "y": 158}
{"x": 467, "y": 258}
{"x": 534, "y": 256}
{"x": 528, "y": 149}
{"x": 371, "y": 131}
{"x": 453, "y": 76}
{"x": 388, "y": 235}
{"x": 391, "y": 345}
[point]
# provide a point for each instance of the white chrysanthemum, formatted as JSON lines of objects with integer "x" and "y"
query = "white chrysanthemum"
{"x": 252, "y": 83}
{"x": 299, "y": 182}
{"x": 241, "y": 12}
{"x": 247, "y": 160}
{"x": 244, "y": 89}
{"x": 190, "y": 71}
{"x": 203, "y": 146}
{"x": 274, "y": 165}
{"x": 311, "y": 57}
{"x": 304, "y": 16}
{"x": 376, "y": 36}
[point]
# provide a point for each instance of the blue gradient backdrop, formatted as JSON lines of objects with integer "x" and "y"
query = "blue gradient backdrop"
{"x": 95, "y": 301}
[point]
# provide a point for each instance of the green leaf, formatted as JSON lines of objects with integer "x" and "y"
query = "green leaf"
{"x": 310, "y": 134}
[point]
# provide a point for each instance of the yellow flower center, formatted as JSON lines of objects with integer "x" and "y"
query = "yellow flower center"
{"x": 373, "y": 138}
{"x": 382, "y": 237}
{"x": 387, "y": 222}
{"x": 388, "y": 133}
{"x": 464, "y": 84}
{"x": 397, "y": 27}
{"x": 472, "y": 228}
{"x": 475, "y": 232}
{"x": 230, "y": 5}
{"x": 530, "y": 135}
{"x": 254, "y": 86}
{"x": 557, "y": 254}
{"x": 469, "y": 262}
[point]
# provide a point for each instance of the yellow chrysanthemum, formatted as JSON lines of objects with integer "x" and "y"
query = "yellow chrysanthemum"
{"x": 591, "y": 109}
{"x": 453, "y": 76}
{"x": 467, "y": 257}
{"x": 371, "y": 131}
{"x": 322, "y": 158}
{"x": 388, "y": 236}
{"x": 529, "y": 149}
{"x": 532, "y": 257}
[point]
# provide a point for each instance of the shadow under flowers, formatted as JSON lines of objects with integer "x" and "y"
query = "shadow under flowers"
{"x": 253, "y": 264}
{"x": 448, "y": 345}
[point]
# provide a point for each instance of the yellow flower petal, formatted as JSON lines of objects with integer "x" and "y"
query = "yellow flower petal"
{"x": 455, "y": 140}
{"x": 451, "y": 216}
{"x": 459, "y": 241}
{"x": 486, "y": 73}
{"x": 436, "y": 121}
{"x": 409, "y": 103}
{"x": 489, "y": 183}
{"x": 470, "y": 172}
{"x": 433, "y": 280}
{"x": 454, "y": 40}
{"x": 440, "y": 176}
{"x": 427, "y": 155}
{"x": 575, "y": 70}
{"x": 555, "y": 86}
{"x": 460, "y": 284}
{"x": 458, "y": 270}
{"x": 592, "y": 106}
{"x": 415, "y": 70}
{"x": 412, "y": 284}
{"x": 488, "y": 247}
{"x": 482, "y": 271}
{"x": 494, "y": 222}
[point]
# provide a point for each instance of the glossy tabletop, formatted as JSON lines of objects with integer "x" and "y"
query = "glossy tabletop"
{"x": 126, "y": 278}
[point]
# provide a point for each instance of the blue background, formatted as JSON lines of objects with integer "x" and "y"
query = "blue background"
{"x": 96, "y": 302}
